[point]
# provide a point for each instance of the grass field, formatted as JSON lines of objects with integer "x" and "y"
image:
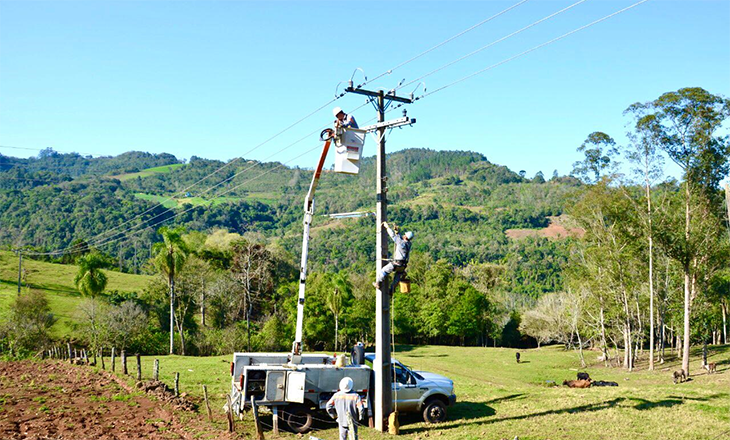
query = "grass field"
{"x": 499, "y": 399}
{"x": 148, "y": 172}
{"x": 57, "y": 281}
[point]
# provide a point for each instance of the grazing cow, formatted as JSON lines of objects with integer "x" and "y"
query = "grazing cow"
{"x": 603, "y": 383}
{"x": 711, "y": 367}
{"x": 577, "y": 383}
{"x": 584, "y": 376}
{"x": 517, "y": 356}
{"x": 679, "y": 376}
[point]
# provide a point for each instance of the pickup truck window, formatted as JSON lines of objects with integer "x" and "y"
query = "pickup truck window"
{"x": 400, "y": 374}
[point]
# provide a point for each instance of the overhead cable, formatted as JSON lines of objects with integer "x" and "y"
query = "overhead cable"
{"x": 531, "y": 49}
{"x": 519, "y": 31}
{"x": 448, "y": 40}
{"x": 105, "y": 241}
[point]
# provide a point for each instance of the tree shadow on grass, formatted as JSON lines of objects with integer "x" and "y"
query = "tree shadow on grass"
{"x": 471, "y": 410}
{"x": 460, "y": 412}
{"x": 671, "y": 401}
{"x": 600, "y": 406}
{"x": 51, "y": 287}
{"x": 428, "y": 355}
{"x": 465, "y": 410}
{"x": 643, "y": 404}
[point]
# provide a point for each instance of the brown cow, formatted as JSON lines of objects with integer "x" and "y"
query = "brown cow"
{"x": 577, "y": 383}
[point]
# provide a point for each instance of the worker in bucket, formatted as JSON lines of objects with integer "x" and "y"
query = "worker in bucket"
{"x": 347, "y": 408}
{"x": 400, "y": 259}
{"x": 342, "y": 119}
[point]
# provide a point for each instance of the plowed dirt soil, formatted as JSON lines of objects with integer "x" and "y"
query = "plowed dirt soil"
{"x": 56, "y": 400}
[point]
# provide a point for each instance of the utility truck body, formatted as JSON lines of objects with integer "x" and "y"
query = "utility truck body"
{"x": 300, "y": 390}
{"x": 297, "y": 390}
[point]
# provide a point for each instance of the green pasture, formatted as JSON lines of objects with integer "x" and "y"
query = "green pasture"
{"x": 500, "y": 399}
{"x": 148, "y": 172}
{"x": 57, "y": 281}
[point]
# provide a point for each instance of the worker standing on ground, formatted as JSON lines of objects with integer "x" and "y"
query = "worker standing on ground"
{"x": 400, "y": 259}
{"x": 346, "y": 406}
{"x": 342, "y": 119}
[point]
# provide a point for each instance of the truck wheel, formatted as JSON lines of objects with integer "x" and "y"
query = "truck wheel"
{"x": 299, "y": 419}
{"x": 434, "y": 411}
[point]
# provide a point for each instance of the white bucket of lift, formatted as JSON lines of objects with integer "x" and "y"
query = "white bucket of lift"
{"x": 348, "y": 150}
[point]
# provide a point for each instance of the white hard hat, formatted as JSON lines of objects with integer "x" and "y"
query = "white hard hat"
{"x": 336, "y": 111}
{"x": 346, "y": 384}
{"x": 408, "y": 235}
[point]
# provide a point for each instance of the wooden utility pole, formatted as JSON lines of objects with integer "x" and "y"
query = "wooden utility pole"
{"x": 20, "y": 267}
{"x": 382, "y": 365}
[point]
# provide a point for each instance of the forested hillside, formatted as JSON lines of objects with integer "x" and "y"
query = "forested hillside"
{"x": 107, "y": 213}
{"x": 458, "y": 203}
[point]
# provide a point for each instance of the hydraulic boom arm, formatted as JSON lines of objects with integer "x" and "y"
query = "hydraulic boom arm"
{"x": 308, "y": 214}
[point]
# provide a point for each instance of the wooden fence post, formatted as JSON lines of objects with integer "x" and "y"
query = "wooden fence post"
{"x": 68, "y": 346}
{"x": 95, "y": 358}
{"x": 156, "y": 371}
{"x": 257, "y": 422}
{"x": 101, "y": 356}
{"x": 124, "y": 362}
{"x": 85, "y": 356}
{"x": 114, "y": 359}
{"x": 139, "y": 367}
{"x": 177, "y": 384}
{"x": 207, "y": 405}
{"x": 229, "y": 413}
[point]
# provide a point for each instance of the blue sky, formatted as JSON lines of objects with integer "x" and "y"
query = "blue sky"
{"x": 215, "y": 79}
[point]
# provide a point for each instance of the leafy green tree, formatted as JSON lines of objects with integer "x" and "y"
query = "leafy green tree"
{"x": 90, "y": 280}
{"x": 169, "y": 259}
{"x": 599, "y": 150}
{"x": 511, "y": 336}
{"x": 643, "y": 153}
{"x": 466, "y": 313}
{"x": 686, "y": 123}
{"x": 29, "y": 323}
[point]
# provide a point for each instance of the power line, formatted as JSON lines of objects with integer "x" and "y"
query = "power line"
{"x": 490, "y": 44}
{"x": 487, "y": 20}
{"x": 88, "y": 246}
{"x": 102, "y": 241}
{"x": 44, "y": 149}
{"x": 185, "y": 190}
{"x": 531, "y": 49}
{"x": 3, "y": 176}
{"x": 105, "y": 241}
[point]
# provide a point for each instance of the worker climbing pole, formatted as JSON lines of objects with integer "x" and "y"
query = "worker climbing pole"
{"x": 349, "y": 141}
{"x": 383, "y": 401}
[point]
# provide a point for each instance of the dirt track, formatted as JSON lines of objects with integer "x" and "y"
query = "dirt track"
{"x": 56, "y": 400}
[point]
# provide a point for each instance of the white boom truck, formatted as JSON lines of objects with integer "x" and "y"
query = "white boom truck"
{"x": 298, "y": 385}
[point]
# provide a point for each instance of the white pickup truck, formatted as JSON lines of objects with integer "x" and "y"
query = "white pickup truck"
{"x": 420, "y": 391}
{"x": 298, "y": 391}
